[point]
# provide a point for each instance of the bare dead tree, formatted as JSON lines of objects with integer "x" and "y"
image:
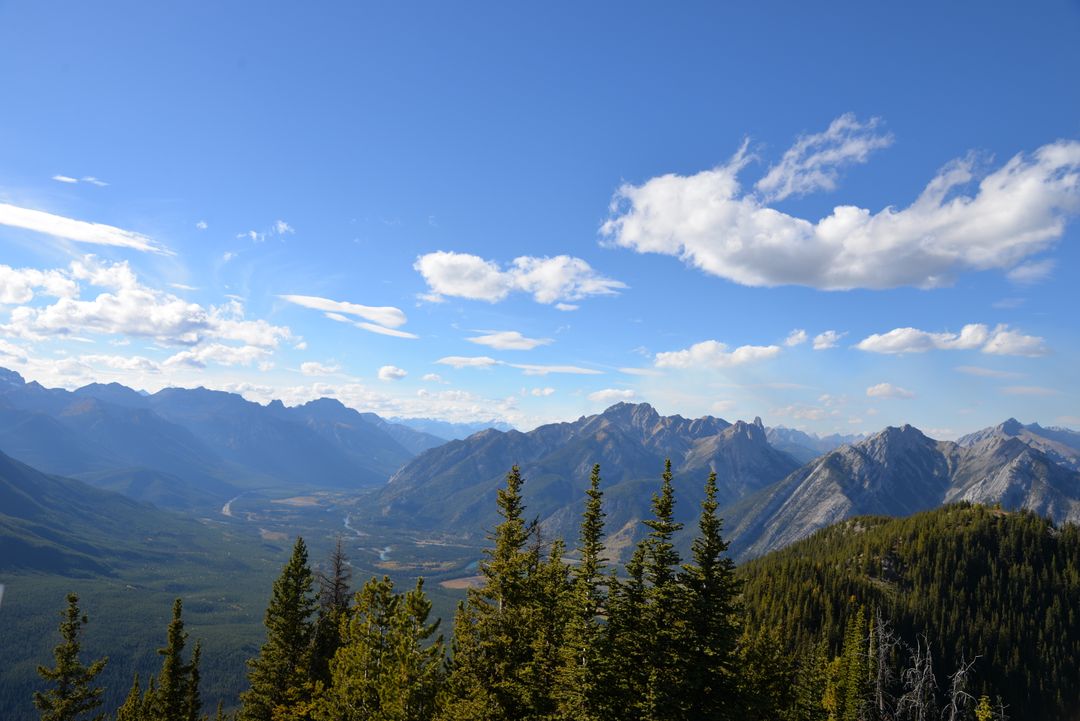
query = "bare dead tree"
{"x": 919, "y": 700}
{"x": 883, "y": 647}
{"x": 959, "y": 700}
{"x": 335, "y": 579}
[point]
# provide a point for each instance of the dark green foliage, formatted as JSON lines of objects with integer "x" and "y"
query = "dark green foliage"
{"x": 711, "y": 618}
{"x": 334, "y": 582}
{"x": 132, "y": 708}
{"x": 72, "y": 695}
{"x": 170, "y": 699}
{"x": 387, "y": 668}
{"x": 972, "y": 580}
{"x": 280, "y": 675}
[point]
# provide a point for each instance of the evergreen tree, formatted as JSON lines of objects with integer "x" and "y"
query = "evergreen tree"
{"x": 495, "y": 628}
{"x": 854, "y": 666}
{"x": 665, "y": 694}
{"x": 580, "y": 675}
{"x": 334, "y": 582}
{"x": 625, "y": 673}
{"x": 73, "y": 696}
{"x": 711, "y": 628}
{"x": 192, "y": 696}
{"x": 280, "y": 676}
{"x": 132, "y": 708}
{"x": 386, "y": 668}
{"x": 173, "y": 683}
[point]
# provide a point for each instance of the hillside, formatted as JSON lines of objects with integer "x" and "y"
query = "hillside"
{"x": 974, "y": 580}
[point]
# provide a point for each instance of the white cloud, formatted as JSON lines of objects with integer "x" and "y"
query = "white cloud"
{"x": 202, "y": 225}
{"x": 609, "y": 395}
{"x": 227, "y": 256}
{"x": 1028, "y": 391}
{"x": 641, "y": 372}
{"x": 796, "y": 337}
{"x": 974, "y": 336}
{"x": 281, "y": 228}
{"x": 182, "y": 286}
{"x": 432, "y": 378}
{"x": 457, "y": 361}
{"x": 707, "y": 220}
{"x": 827, "y": 340}
{"x": 542, "y": 392}
{"x": 65, "y": 179}
{"x": 388, "y": 316}
{"x": 138, "y": 364}
{"x": 224, "y": 355}
{"x": 393, "y": 332}
{"x": 1011, "y": 342}
{"x": 391, "y": 373}
{"x": 888, "y": 390}
{"x": 314, "y": 368}
{"x": 1031, "y": 272}
{"x": 508, "y": 340}
{"x": 987, "y": 372}
{"x": 129, "y": 308}
{"x": 543, "y": 370}
{"x": 713, "y": 354}
{"x": 566, "y": 306}
{"x": 18, "y": 285}
{"x": 78, "y": 231}
{"x": 94, "y": 181}
{"x": 814, "y": 162}
{"x": 549, "y": 280}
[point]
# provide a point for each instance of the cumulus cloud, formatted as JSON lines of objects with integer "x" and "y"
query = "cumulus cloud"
{"x": 77, "y": 231}
{"x": 814, "y": 162}
{"x": 796, "y": 337}
{"x": 217, "y": 353}
{"x": 827, "y": 340}
{"x": 391, "y": 373}
{"x": 974, "y": 336}
{"x": 129, "y": 308}
{"x": 609, "y": 395}
{"x": 714, "y": 354}
{"x": 18, "y": 285}
{"x": 314, "y": 368}
{"x": 432, "y": 378}
{"x": 709, "y": 221}
{"x": 888, "y": 390}
{"x": 554, "y": 280}
{"x": 508, "y": 340}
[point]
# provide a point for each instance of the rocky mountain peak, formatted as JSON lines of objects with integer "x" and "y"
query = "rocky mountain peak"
{"x": 10, "y": 379}
{"x": 1011, "y": 427}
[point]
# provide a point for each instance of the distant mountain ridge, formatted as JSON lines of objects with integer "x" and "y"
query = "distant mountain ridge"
{"x": 901, "y": 471}
{"x": 804, "y": 446}
{"x": 188, "y": 448}
{"x": 452, "y": 487}
{"x": 447, "y": 430}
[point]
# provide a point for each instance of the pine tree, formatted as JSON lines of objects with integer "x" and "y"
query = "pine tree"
{"x": 854, "y": 664}
{"x": 334, "y": 595}
{"x": 665, "y": 611}
{"x": 280, "y": 676}
{"x": 580, "y": 674}
{"x": 625, "y": 672}
{"x": 132, "y": 708}
{"x": 173, "y": 683}
{"x": 192, "y": 696}
{"x": 73, "y": 696}
{"x": 712, "y": 632}
{"x": 386, "y": 668}
{"x": 495, "y": 628}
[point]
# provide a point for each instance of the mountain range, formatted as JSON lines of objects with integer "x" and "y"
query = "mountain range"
{"x": 192, "y": 448}
{"x": 768, "y": 496}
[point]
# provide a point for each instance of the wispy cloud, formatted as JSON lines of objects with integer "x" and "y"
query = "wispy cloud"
{"x": 508, "y": 340}
{"x": 609, "y": 395}
{"x": 386, "y": 316}
{"x": 77, "y": 231}
{"x": 888, "y": 390}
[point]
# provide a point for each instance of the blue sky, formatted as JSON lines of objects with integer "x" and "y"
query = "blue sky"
{"x": 530, "y": 212}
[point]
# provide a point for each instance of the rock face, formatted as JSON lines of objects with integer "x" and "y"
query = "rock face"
{"x": 1061, "y": 445}
{"x": 452, "y": 487}
{"x": 900, "y": 471}
{"x": 805, "y": 447}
